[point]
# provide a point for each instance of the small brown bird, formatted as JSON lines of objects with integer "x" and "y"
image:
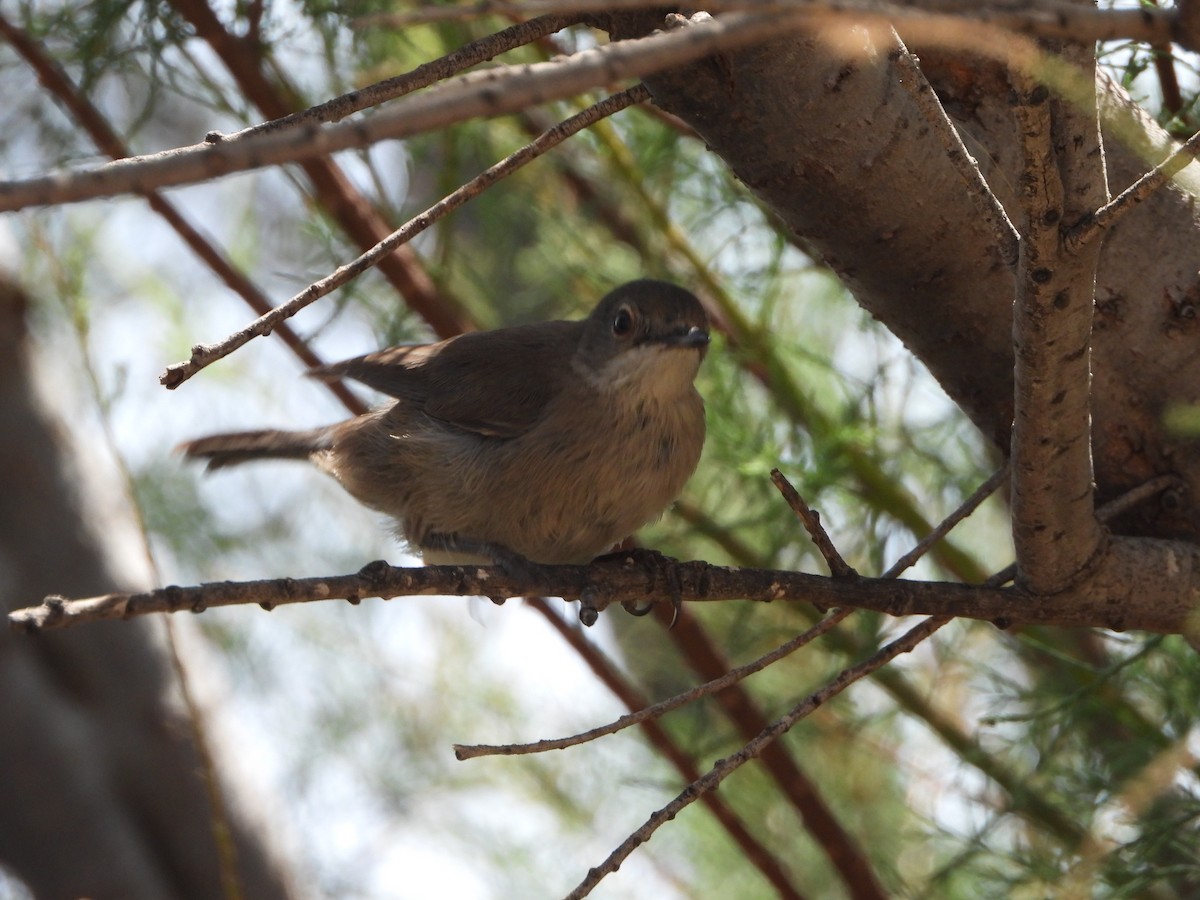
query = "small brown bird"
{"x": 549, "y": 442}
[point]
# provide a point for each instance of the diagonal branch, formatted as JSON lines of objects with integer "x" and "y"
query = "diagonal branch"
{"x": 470, "y": 54}
{"x": 1093, "y": 226}
{"x": 761, "y": 856}
{"x": 344, "y": 203}
{"x": 205, "y": 354}
{"x": 56, "y": 81}
{"x": 489, "y": 93}
{"x": 723, "y": 769}
{"x": 811, "y": 520}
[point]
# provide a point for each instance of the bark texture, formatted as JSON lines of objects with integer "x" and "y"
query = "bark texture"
{"x": 820, "y": 127}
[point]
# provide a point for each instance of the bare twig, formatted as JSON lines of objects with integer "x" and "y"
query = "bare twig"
{"x": 205, "y": 354}
{"x": 811, "y": 519}
{"x": 759, "y": 855}
{"x": 466, "y": 56}
{"x": 989, "y": 207}
{"x": 471, "y": 751}
{"x": 967, "y": 507}
{"x": 754, "y": 748}
{"x": 1092, "y": 227}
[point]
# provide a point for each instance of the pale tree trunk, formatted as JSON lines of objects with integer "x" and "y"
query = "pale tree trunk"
{"x": 836, "y": 136}
{"x": 101, "y": 793}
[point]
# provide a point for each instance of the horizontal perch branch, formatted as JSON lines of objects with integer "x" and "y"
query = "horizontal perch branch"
{"x": 1146, "y": 585}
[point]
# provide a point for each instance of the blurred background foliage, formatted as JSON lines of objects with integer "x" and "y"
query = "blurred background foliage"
{"x": 985, "y": 764}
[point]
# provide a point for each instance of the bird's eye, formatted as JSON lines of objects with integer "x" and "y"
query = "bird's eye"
{"x": 623, "y": 322}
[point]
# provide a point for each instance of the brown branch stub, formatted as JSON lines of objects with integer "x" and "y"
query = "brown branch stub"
{"x": 811, "y": 520}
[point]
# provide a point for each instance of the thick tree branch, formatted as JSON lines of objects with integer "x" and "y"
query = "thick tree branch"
{"x": 1048, "y": 18}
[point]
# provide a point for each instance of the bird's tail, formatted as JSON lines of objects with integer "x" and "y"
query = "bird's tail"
{"x": 222, "y": 450}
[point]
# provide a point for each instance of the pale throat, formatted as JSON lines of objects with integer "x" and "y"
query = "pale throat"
{"x": 651, "y": 372}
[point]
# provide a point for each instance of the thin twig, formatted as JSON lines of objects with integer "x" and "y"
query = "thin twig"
{"x": 466, "y": 56}
{"x": 206, "y": 354}
{"x": 754, "y": 748}
{"x": 762, "y": 857}
{"x": 1136, "y": 495}
{"x": 988, "y": 205}
{"x": 471, "y": 751}
{"x": 56, "y": 81}
{"x": 811, "y": 519}
{"x": 967, "y": 507}
{"x": 1108, "y": 215}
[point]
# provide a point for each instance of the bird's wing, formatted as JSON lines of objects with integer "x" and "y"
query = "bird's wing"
{"x": 493, "y": 383}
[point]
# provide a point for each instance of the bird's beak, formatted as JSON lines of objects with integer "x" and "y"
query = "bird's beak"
{"x": 693, "y": 337}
